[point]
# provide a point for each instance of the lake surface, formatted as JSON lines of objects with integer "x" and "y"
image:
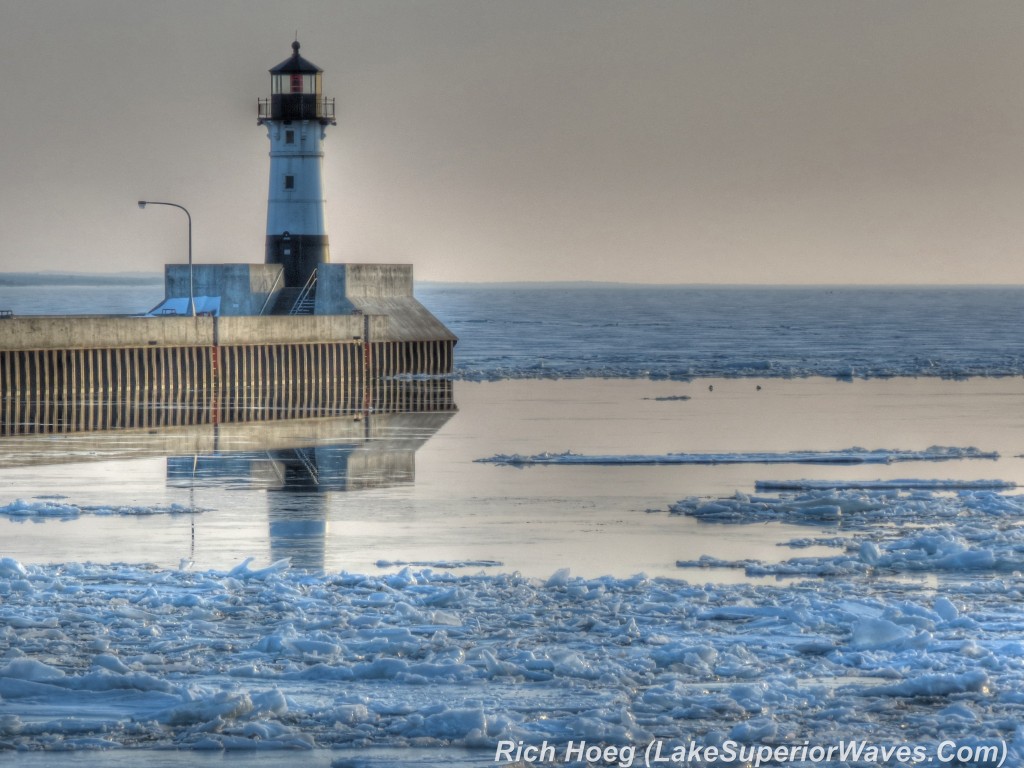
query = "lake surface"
{"x": 430, "y": 501}
{"x": 370, "y": 590}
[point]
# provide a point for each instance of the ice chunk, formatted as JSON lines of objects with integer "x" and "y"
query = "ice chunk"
{"x": 870, "y": 553}
{"x": 11, "y": 568}
{"x": 878, "y": 633}
{"x": 757, "y": 730}
{"x": 30, "y": 669}
{"x": 975, "y": 681}
{"x": 455, "y": 723}
{"x": 242, "y": 570}
{"x": 221, "y": 705}
{"x": 559, "y": 578}
{"x": 22, "y": 508}
{"x": 945, "y": 608}
{"x": 114, "y": 664}
{"x": 444, "y": 564}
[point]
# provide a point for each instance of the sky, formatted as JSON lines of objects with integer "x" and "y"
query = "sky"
{"x": 645, "y": 141}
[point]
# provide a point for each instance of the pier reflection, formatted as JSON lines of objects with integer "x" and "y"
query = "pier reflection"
{"x": 297, "y": 462}
{"x": 93, "y": 412}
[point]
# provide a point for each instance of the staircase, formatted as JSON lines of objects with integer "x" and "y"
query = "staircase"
{"x": 297, "y": 301}
{"x": 304, "y": 305}
{"x": 306, "y": 301}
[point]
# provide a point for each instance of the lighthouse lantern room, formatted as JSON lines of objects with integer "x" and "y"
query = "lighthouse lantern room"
{"x": 296, "y": 117}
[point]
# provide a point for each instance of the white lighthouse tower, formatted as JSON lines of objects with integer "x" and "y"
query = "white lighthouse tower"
{"x": 296, "y": 117}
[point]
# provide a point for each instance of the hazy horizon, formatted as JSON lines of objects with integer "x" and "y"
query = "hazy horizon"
{"x": 818, "y": 142}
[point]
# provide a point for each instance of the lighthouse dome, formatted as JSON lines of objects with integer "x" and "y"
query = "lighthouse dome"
{"x": 296, "y": 92}
{"x": 295, "y": 63}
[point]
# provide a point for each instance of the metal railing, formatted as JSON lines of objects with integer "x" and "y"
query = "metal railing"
{"x": 319, "y": 109}
{"x": 270, "y": 294}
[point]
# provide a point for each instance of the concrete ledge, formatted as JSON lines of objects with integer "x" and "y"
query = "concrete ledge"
{"x": 113, "y": 332}
{"x": 298, "y": 329}
{"x": 378, "y": 289}
{"x": 103, "y": 331}
{"x": 348, "y": 296}
{"x": 341, "y": 287}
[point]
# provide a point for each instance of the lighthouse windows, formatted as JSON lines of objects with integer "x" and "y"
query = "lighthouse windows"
{"x": 295, "y": 82}
{"x": 289, "y": 137}
{"x": 289, "y": 182}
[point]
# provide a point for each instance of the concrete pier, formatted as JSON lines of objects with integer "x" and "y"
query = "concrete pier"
{"x": 296, "y": 336}
{"x": 67, "y": 374}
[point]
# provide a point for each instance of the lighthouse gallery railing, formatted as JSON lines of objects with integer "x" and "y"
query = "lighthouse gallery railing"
{"x": 314, "y": 109}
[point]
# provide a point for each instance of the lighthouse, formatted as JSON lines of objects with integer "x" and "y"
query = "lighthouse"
{"x": 296, "y": 117}
{"x": 294, "y": 337}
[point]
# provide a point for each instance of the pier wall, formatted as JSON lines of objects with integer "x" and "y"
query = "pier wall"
{"x": 103, "y": 331}
{"x": 84, "y": 373}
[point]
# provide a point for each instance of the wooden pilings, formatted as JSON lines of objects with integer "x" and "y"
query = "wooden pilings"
{"x": 84, "y": 389}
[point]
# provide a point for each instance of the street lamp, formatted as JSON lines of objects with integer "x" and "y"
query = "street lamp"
{"x": 191, "y": 284}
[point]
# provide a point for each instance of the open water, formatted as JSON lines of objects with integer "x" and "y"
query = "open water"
{"x": 677, "y": 332}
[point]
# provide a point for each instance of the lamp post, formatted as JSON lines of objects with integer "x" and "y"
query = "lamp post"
{"x": 191, "y": 284}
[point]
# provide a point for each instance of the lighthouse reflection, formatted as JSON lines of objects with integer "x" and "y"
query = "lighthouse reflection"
{"x": 301, "y": 463}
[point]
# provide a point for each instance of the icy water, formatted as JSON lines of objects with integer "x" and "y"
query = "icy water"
{"x": 131, "y": 492}
{"x": 701, "y": 552}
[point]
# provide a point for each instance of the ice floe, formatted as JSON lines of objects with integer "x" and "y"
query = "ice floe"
{"x": 875, "y": 485}
{"x": 847, "y": 456}
{"x": 855, "y": 507}
{"x": 442, "y": 564}
{"x": 892, "y": 531}
{"x": 49, "y": 508}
